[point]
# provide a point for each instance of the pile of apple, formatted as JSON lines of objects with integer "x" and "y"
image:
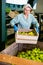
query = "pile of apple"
{"x": 32, "y": 33}
{"x": 34, "y": 54}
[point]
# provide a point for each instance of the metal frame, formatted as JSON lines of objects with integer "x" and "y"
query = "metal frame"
{"x": 2, "y": 25}
{"x": 40, "y": 14}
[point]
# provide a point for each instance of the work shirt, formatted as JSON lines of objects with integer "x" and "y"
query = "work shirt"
{"x": 25, "y": 22}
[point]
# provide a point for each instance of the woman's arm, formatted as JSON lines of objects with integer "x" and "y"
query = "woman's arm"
{"x": 14, "y": 21}
{"x": 36, "y": 24}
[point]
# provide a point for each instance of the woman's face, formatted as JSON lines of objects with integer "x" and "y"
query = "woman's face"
{"x": 27, "y": 10}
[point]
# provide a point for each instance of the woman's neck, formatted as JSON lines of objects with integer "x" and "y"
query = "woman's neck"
{"x": 26, "y": 15}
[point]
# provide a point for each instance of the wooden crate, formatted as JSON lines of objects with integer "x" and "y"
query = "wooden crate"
{"x": 12, "y": 60}
{"x": 26, "y": 38}
{"x": 13, "y": 49}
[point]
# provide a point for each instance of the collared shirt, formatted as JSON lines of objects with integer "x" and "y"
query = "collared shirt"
{"x": 25, "y": 22}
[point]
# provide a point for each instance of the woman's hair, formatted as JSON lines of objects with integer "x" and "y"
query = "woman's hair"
{"x": 27, "y": 5}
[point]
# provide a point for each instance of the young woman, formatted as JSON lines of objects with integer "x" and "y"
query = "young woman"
{"x": 25, "y": 19}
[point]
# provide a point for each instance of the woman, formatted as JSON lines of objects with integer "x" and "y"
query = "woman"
{"x": 25, "y": 19}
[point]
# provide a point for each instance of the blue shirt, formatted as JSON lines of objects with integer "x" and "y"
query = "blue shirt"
{"x": 25, "y": 23}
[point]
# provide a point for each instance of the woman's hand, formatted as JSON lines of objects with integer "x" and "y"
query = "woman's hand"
{"x": 15, "y": 28}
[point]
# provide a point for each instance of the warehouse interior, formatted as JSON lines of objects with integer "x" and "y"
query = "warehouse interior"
{"x": 6, "y": 19}
{"x": 8, "y": 45}
{"x": 7, "y": 33}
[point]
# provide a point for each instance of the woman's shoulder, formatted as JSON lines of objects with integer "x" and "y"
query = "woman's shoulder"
{"x": 31, "y": 15}
{"x": 20, "y": 14}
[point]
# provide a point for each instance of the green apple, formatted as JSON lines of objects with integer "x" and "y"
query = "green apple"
{"x": 22, "y": 52}
{"x": 28, "y": 52}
